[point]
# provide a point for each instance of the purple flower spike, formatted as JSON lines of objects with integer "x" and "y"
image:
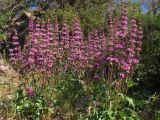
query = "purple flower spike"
{"x": 15, "y": 52}
{"x": 30, "y": 92}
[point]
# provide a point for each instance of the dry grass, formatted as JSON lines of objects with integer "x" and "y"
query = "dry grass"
{"x": 8, "y": 83}
{"x": 6, "y": 3}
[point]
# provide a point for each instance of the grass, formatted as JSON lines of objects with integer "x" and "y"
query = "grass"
{"x": 8, "y": 85}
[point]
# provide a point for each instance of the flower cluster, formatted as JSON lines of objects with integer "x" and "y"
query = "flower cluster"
{"x": 14, "y": 51}
{"x": 48, "y": 47}
{"x": 124, "y": 47}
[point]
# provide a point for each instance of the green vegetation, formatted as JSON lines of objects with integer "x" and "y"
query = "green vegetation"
{"x": 64, "y": 92}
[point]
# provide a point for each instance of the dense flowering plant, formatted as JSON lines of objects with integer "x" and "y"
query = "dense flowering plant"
{"x": 61, "y": 70}
{"x": 49, "y": 49}
{"x": 123, "y": 47}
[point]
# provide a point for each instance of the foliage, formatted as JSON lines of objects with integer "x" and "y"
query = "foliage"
{"x": 148, "y": 73}
{"x": 89, "y": 76}
{"x": 71, "y": 86}
{"x": 73, "y": 98}
{"x": 68, "y": 13}
{"x": 148, "y": 70}
{"x": 91, "y": 17}
{"x": 30, "y": 107}
{"x": 107, "y": 103}
{"x": 4, "y": 18}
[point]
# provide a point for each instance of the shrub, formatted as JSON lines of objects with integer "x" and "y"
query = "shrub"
{"x": 55, "y": 56}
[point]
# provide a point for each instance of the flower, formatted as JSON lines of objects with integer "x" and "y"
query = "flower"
{"x": 14, "y": 51}
{"x": 30, "y": 92}
{"x": 96, "y": 77}
{"x": 121, "y": 75}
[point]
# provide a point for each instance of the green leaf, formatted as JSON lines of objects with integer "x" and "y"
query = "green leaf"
{"x": 50, "y": 110}
{"x": 26, "y": 105}
{"x": 19, "y": 107}
{"x": 130, "y": 101}
{"x": 130, "y": 83}
{"x": 39, "y": 105}
{"x": 140, "y": 103}
{"x": 127, "y": 99}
